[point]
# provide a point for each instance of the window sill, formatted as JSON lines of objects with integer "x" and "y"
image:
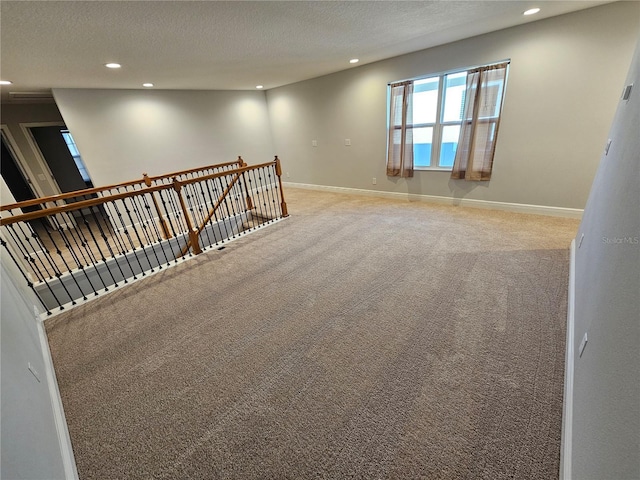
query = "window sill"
{"x": 433, "y": 169}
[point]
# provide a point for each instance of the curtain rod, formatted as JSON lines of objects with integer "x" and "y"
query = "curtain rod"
{"x": 448, "y": 72}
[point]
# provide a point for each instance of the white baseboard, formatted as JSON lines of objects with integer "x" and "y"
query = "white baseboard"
{"x": 462, "y": 202}
{"x": 567, "y": 413}
{"x": 66, "y": 451}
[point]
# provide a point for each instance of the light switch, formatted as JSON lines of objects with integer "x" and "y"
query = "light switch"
{"x": 314, "y": 143}
{"x": 347, "y": 142}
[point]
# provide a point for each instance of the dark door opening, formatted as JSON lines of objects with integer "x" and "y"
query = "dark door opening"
{"x": 15, "y": 179}
{"x": 56, "y": 152}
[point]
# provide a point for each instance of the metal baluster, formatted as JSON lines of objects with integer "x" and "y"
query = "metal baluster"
{"x": 60, "y": 230}
{"x": 222, "y": 225}
{"x": 29, "y": 282}
{"x": 261, "y": 199}
{"x": 24, "y": 251}
{"x": 105, "y": 238}
{"x": 155, "y": 227}
{"x": 58, "y": 272}
{"x": 94, "y": 259}
{"x": 270, "y": 183}
{"x": 31, "y": 259}
{"x": 43, "y": 248}
{"x": 126, "y": 233}
{"x": 111, "y": 211}
{"x": 196, "y": 206}
{"x": 135, "y": 230}
{"x": 213, "y": 200}
{"x": 226, "y": 206}
{"x": 204, "y": 203}
{"x": 254, "y": 187}
{"x": 145, "y": 227}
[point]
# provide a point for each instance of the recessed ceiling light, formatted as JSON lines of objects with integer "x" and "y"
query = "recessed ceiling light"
{"x": 112, "y": 65}
{"x": 5, "y": 82}
{"x": 259, "y": 86}
{"x": 354, "y": 60}
{"x": 531, "y": 11}
{"x": 147, "y": 85}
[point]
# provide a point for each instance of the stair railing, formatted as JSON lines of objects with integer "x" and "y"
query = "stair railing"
{"x": 79, "y": 244}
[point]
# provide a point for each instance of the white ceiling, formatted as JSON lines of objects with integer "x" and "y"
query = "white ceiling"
{"x": 230, "y": 45}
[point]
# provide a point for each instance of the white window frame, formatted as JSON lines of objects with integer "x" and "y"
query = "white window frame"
{"x": 436, "y": 139}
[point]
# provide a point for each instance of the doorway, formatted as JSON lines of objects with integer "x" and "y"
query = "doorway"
{"x": 14, "y": 177}
{"x": 61, "y": 155}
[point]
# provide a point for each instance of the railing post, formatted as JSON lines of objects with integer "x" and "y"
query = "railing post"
{"x": 283, "y": 204}
{"x": 163, "y": 222}
{"x": 193, "y": 232}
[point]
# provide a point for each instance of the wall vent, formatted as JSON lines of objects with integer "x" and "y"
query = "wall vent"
{"x": 40, "y": 97}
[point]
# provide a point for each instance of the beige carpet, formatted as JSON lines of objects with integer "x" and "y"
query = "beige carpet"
{"x": 359, "y": 338}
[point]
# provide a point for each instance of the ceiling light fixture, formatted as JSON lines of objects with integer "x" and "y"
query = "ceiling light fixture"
{"x": 5, "y": 82}
{"x": 147, "y": 85}
{"x": 531, "y": 11}
{"x": 354, "y": 60}
{"x": 259, "y": 87}
{"x": 112, "y": 65}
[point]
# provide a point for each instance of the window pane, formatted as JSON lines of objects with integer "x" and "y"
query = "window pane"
{"x": 425, "y": 100}
{"x": 422, "y": 140}
{"x": 449, "y": 145}
{"x": 454, "y": 90}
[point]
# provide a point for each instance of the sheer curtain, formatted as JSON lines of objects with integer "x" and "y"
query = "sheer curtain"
{"x": 400, "y": 142}
{"x": 480, "y": 122}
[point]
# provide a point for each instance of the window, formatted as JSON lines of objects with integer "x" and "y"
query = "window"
{"x": 437, "y": 115}
{"x": 438, "y": 103}
{"x": 73, "y": 149}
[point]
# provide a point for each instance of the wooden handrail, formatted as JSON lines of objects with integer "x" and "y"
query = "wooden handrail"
{"x": 62, "y": 196}
{"x": 25, "y": 217}
{"x": 193, "y": 170}
{"x": 96, "y": 201}
{"x": 91, "y": 191}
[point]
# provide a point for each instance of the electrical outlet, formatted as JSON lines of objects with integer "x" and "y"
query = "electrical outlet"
{"x": 347, "y": 142}
{"x": 374, "y": 181}
{"x": 314, "y": 143}
{"x": 288, "y": 175}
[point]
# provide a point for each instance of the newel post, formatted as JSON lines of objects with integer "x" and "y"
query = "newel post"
{"x": 283, "y": 204}
{"x": 163, "y": 223}
{"x": 193, "y": 232}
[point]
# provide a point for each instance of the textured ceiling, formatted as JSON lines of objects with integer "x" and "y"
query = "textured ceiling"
{"x": 229, "y": 45}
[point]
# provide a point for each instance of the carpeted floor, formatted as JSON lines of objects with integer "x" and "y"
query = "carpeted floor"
{"x": 359, "y": 338}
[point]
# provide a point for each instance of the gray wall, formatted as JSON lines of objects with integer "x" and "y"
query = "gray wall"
{"x": 122, "y": 134}
{"x": 565, "y": 77}
{"x": 30, "y": 443}
{"x": 606, "y": 395}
